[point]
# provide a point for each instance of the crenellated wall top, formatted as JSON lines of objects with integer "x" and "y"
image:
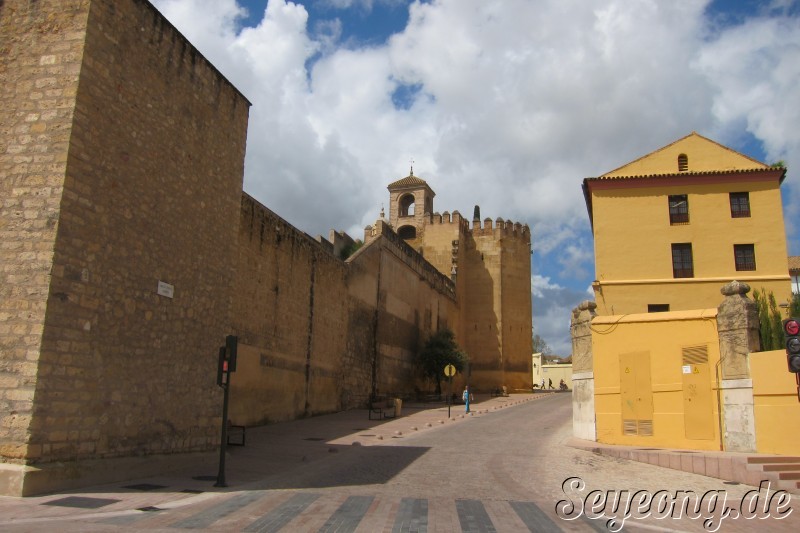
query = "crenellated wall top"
{"x": 498, "y": 228}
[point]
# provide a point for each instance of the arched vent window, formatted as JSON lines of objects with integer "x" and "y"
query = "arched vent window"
{"x": 683, "y": 163}
{"x": 407, "y": 233}
{"x": 407, "y": 205}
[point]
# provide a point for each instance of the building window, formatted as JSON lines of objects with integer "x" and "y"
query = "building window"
{"x": 745, "y": 256}
{"x": 657, "y": 308}
{"x": 678, "y": 209}
{"x": 683, "y": 163}
{"x": 740, "y": 204}
{"x": 682, "y": 264}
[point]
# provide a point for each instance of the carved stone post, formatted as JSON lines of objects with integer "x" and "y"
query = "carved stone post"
{"x": 737, "y": 324}
{"x": 583, "y": 416}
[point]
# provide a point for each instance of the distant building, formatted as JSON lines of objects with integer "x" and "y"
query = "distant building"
{"x": 794, "y": 273}
{"x": 550, "y": 368}
{"x": 674, "y": 225}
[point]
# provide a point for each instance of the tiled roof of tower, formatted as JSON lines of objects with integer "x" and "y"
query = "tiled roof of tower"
{"x": 409, "y": 181}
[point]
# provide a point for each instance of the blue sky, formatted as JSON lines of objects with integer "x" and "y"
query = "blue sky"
{"x": 504, "y": 103}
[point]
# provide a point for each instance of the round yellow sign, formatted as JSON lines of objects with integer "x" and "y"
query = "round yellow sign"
{"x": 449, "y": 371}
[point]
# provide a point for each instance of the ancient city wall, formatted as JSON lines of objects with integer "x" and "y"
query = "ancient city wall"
{"x": 516, "y": 307}
{"x": 128, "y": 252}
{"x": 141, "y": 273}
{"x": 40, "y": 61}
{"x": 318, "y": 334}
{"x": 290, "y": 306}
{"x": 409, "y": 311}
{"x": 443, "y": 239}
{"x": 497, "y": 322}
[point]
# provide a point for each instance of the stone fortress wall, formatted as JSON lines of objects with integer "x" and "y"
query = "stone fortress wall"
{"x": 491, "y": 266}
{"x": 128, "y": 252}
{"x": 318, "y": 334}
{"x": 112, "y": 184}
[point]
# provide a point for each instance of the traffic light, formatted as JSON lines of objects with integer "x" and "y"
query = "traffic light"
{"x": 231, "y": 345}
{"x": 791, "y": 333}
{"x": 226, "y": 362}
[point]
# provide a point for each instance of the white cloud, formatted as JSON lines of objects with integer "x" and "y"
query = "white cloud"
{"x": 519, "y": 101}
{"x": 541, "y": 283}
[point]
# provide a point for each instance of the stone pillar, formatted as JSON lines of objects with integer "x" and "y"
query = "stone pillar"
{"x": 583, "y": 415}
{"x": 737, "y": 324}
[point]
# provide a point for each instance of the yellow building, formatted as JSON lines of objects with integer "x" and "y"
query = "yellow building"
{"x": 669, "y": 356}
{"x": 673, "y": 226}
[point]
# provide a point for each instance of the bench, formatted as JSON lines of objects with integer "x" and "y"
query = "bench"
{"x": 380, "y": 407}
{"x": 236, "y": 434}
{"x": 497, "y": 391}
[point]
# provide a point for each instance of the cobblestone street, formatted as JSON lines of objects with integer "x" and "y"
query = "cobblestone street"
{"x": 500, "y": 469}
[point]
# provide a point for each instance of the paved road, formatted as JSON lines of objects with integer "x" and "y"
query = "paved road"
{"x": 495, "y": 471}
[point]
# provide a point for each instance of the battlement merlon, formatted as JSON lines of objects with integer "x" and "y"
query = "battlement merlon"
{"x": 447, "y": 218}
{"x": 498, "y": 228}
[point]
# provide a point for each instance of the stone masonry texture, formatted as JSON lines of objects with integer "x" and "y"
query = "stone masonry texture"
{"x": 103, "y": 199}
{"x": 40, "y": 59}
{"x": 128, "y": 252}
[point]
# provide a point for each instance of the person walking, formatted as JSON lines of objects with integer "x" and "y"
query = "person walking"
{"x": 550, "y": 384}
{"x": 467, "y": 397}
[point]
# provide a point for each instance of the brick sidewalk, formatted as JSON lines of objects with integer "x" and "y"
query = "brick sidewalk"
{"x": 187, "y": 499}
{"x": 269, "y": 450}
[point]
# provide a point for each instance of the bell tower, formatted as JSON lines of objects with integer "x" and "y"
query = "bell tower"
{"x": 410, "y": 200}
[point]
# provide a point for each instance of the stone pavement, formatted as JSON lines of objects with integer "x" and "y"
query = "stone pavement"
{"x": 743, "y": 468}
{"x": 187, "y": 499}
{"x": 269, "y": 451}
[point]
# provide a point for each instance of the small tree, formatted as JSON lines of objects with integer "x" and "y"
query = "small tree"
{"x": 540, "y": 345}
{"x": 439, "y": 351}
{"x": 794, "y": 306}
{"x": 769, "y": 317}
{"x": 350, "y": 249}
{"x": 776, "y": 325}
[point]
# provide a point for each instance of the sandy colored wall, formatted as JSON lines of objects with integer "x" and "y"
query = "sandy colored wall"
{"x": 320, "y": 334}
{"x": 776, "y": 403}
{"x": 662, "y": 337}
{"x": 678, "y": 294}
{"x": 497, "y": 319}
{"x": 634, "y": 261}
{"x": 516, "y": 310}
{"x": 414, "y": 300}
{"x": 556, "y": 373}
{"x": 40, "y": 69}
{"x": 289, "y": 305}
{"x": 150, "y": 194}
{"x": 703, "y": 154}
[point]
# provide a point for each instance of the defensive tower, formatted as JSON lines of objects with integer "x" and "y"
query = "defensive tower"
{"x": 490, "y": 264}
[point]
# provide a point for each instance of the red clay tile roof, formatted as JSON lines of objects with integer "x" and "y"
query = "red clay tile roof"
{"x": 687, "y": 173}
{"x": 409, "y": 181}
{"x": 794, "y": 263}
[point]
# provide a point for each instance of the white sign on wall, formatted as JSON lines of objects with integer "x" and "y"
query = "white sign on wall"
{"x": 165, "y": 289}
